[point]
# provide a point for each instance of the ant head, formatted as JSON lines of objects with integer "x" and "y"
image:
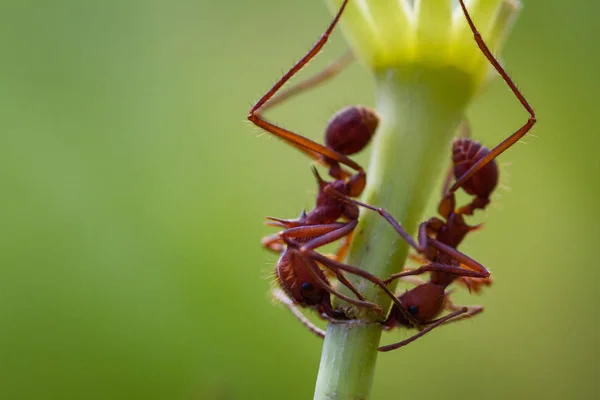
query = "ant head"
{"x": 297, "y": 281}
{"x": 465, "y": 153}
{"x": 424, "y": 302}
{"x": 351, "y": 129}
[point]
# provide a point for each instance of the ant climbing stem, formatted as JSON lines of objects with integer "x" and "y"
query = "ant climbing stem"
{"x": 348, "y": 132}
{"x": 519, "y": 133}
{"x": 456, "y": 315}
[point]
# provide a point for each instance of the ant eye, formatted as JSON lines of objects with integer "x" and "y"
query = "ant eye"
{"x": 307, "y": 286}
{"x": 413, "y": 310}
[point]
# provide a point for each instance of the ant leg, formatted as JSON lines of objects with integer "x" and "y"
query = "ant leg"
{"x": 411, "y": 339}
{"x": 273, "y": 243}
{"x": 344, "y": 281}
{"x": 329, "y": 72}
{"x": 342, "y": 251}
{"x": 336, "y": 265}
{"x": 318, "y": 232}
{"x": 437, "y": 267}
{"x": 295, "y": 139}
{"x": 512, "y": 139}
{"x": 341, "y": 231}
{"x": 303, "y": 61}
{"x": 312, "y": 148}
{"x": 464, "y": 259}
{"x": 280, "y": 296}
{"x": 475, "y": 285}
{"x": 386, "y": 215}
{"x": 471, "y": 311}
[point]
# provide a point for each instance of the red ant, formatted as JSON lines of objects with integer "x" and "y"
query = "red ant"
{"x": 347, "y": 133}
{"x": 428, "y": 299}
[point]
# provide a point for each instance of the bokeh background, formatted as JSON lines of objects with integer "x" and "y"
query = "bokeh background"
{"x": 133, "y": 193}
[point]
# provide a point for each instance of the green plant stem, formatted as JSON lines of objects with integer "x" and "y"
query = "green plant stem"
{"x": 420, "y": 108}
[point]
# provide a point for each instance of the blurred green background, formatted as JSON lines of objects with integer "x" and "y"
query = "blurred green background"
{"x": 133, "y": 195}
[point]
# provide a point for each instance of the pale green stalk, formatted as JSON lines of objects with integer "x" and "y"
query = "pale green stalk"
{"x": 427, "y": 68}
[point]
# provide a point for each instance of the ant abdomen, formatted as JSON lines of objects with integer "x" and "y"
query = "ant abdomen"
{"x": 465, "y": 153}
{"x": 351, "y": 129}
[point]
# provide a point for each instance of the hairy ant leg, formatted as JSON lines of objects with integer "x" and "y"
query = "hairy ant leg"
{"x": 471, "y": 312}
{"x": 475, "y": 285}
{"x": 437, "y": 267}
{"x": 388, "y": 217}
{"x": 316, "y": 48}
{"x": 519, "y": 133}
{"x": 428, "y": 329}
{"x": 329, "y": 72}
{"x": 275, "y": 242}
{"x": 326, "y": 238}
{"x": 342, "y": 251}
{"x": 280, "y": 296}
{"x": 291, "y": 137}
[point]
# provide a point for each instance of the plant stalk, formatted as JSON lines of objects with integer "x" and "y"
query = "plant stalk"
{"x": 420, "y": 108}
